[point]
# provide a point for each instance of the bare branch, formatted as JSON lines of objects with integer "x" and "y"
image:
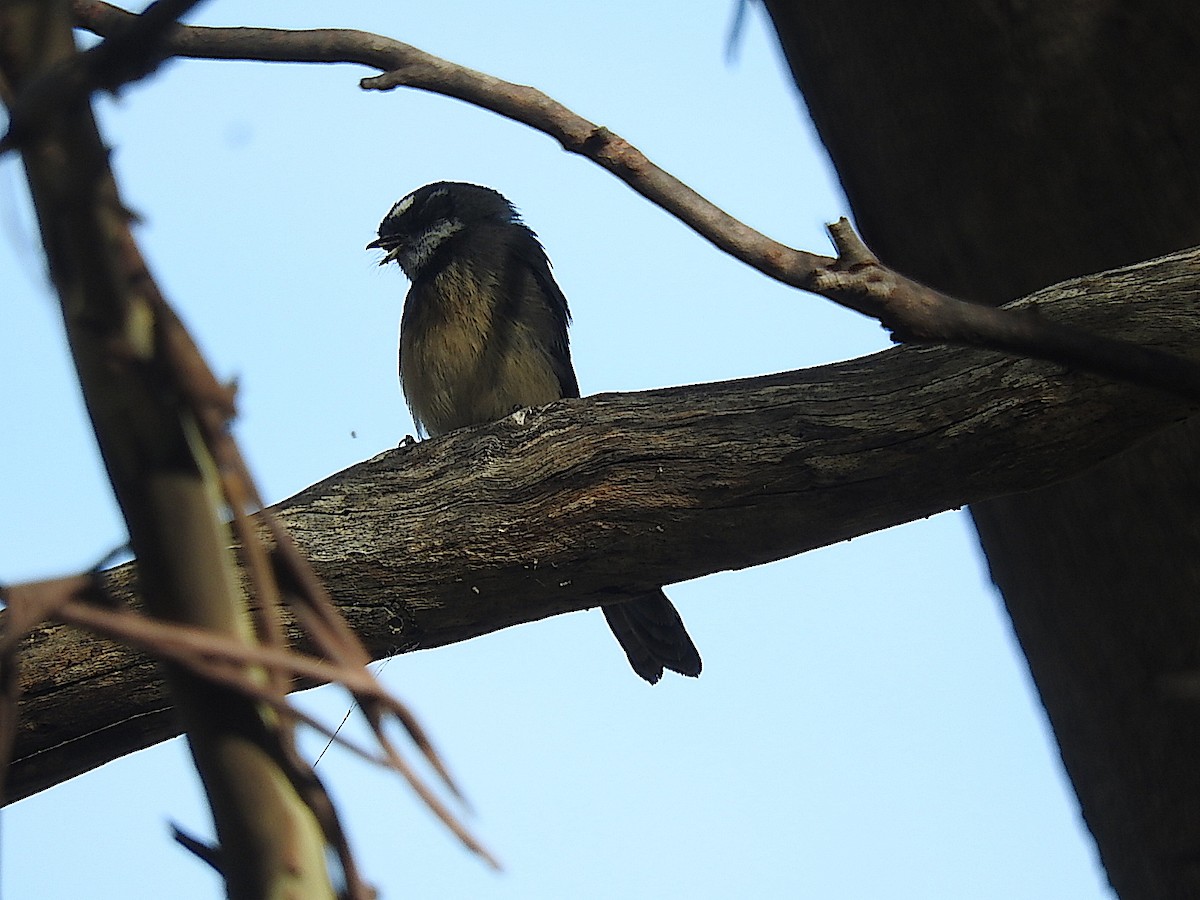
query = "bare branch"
{"x": 857, "y": 281}
{"x": 229, "y": 662}
{"x": 919, "y": 314}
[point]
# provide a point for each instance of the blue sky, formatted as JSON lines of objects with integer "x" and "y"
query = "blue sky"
{"x": 864, "y": 727}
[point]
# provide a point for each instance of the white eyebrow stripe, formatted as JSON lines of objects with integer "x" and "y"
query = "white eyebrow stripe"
{"x": 402, "y": 206}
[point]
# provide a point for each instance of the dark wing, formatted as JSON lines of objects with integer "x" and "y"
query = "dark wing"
{"x": 536, "y": 262}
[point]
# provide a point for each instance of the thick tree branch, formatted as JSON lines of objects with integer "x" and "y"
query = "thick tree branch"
{"x": 855, "y": 280}
{"x": 576, "y": 504}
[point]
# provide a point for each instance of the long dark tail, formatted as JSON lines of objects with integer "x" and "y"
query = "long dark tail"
{"x": 652, "y": 635}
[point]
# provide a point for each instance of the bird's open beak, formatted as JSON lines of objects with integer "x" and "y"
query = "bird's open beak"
{"x": 381, "y": 244}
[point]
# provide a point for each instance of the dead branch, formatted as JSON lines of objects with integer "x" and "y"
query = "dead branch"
{"x": 858, "y": 281}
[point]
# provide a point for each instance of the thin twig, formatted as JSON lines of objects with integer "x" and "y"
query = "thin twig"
{"x": 205, "y": 852}
{"x": 225, "y": 661}
{"x": 158, "y": 638}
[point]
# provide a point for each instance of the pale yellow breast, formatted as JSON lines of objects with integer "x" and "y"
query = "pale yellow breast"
{"x": 459, "y": 367}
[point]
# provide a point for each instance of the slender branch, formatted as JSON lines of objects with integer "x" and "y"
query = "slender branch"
{"x": 226, "y": 661}
{"x": 73, "y": 601}
{"x": 408, "y": 66}
{"x": 910, "y": 310}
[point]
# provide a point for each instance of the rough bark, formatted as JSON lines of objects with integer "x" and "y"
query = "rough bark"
{"x": 988, "y": 149}
{"x": 576, "y": 504}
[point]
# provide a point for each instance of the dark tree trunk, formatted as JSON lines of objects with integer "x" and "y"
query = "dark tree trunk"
{"x": 988, "y": 149}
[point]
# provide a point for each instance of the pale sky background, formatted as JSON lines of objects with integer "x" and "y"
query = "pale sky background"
{"x": 864, "y": 727}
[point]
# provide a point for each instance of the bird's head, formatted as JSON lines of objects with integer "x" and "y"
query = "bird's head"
{"x": 419, "y": 224}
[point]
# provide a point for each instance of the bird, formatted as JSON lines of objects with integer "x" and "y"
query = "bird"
{"x": 483, "y": 333}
